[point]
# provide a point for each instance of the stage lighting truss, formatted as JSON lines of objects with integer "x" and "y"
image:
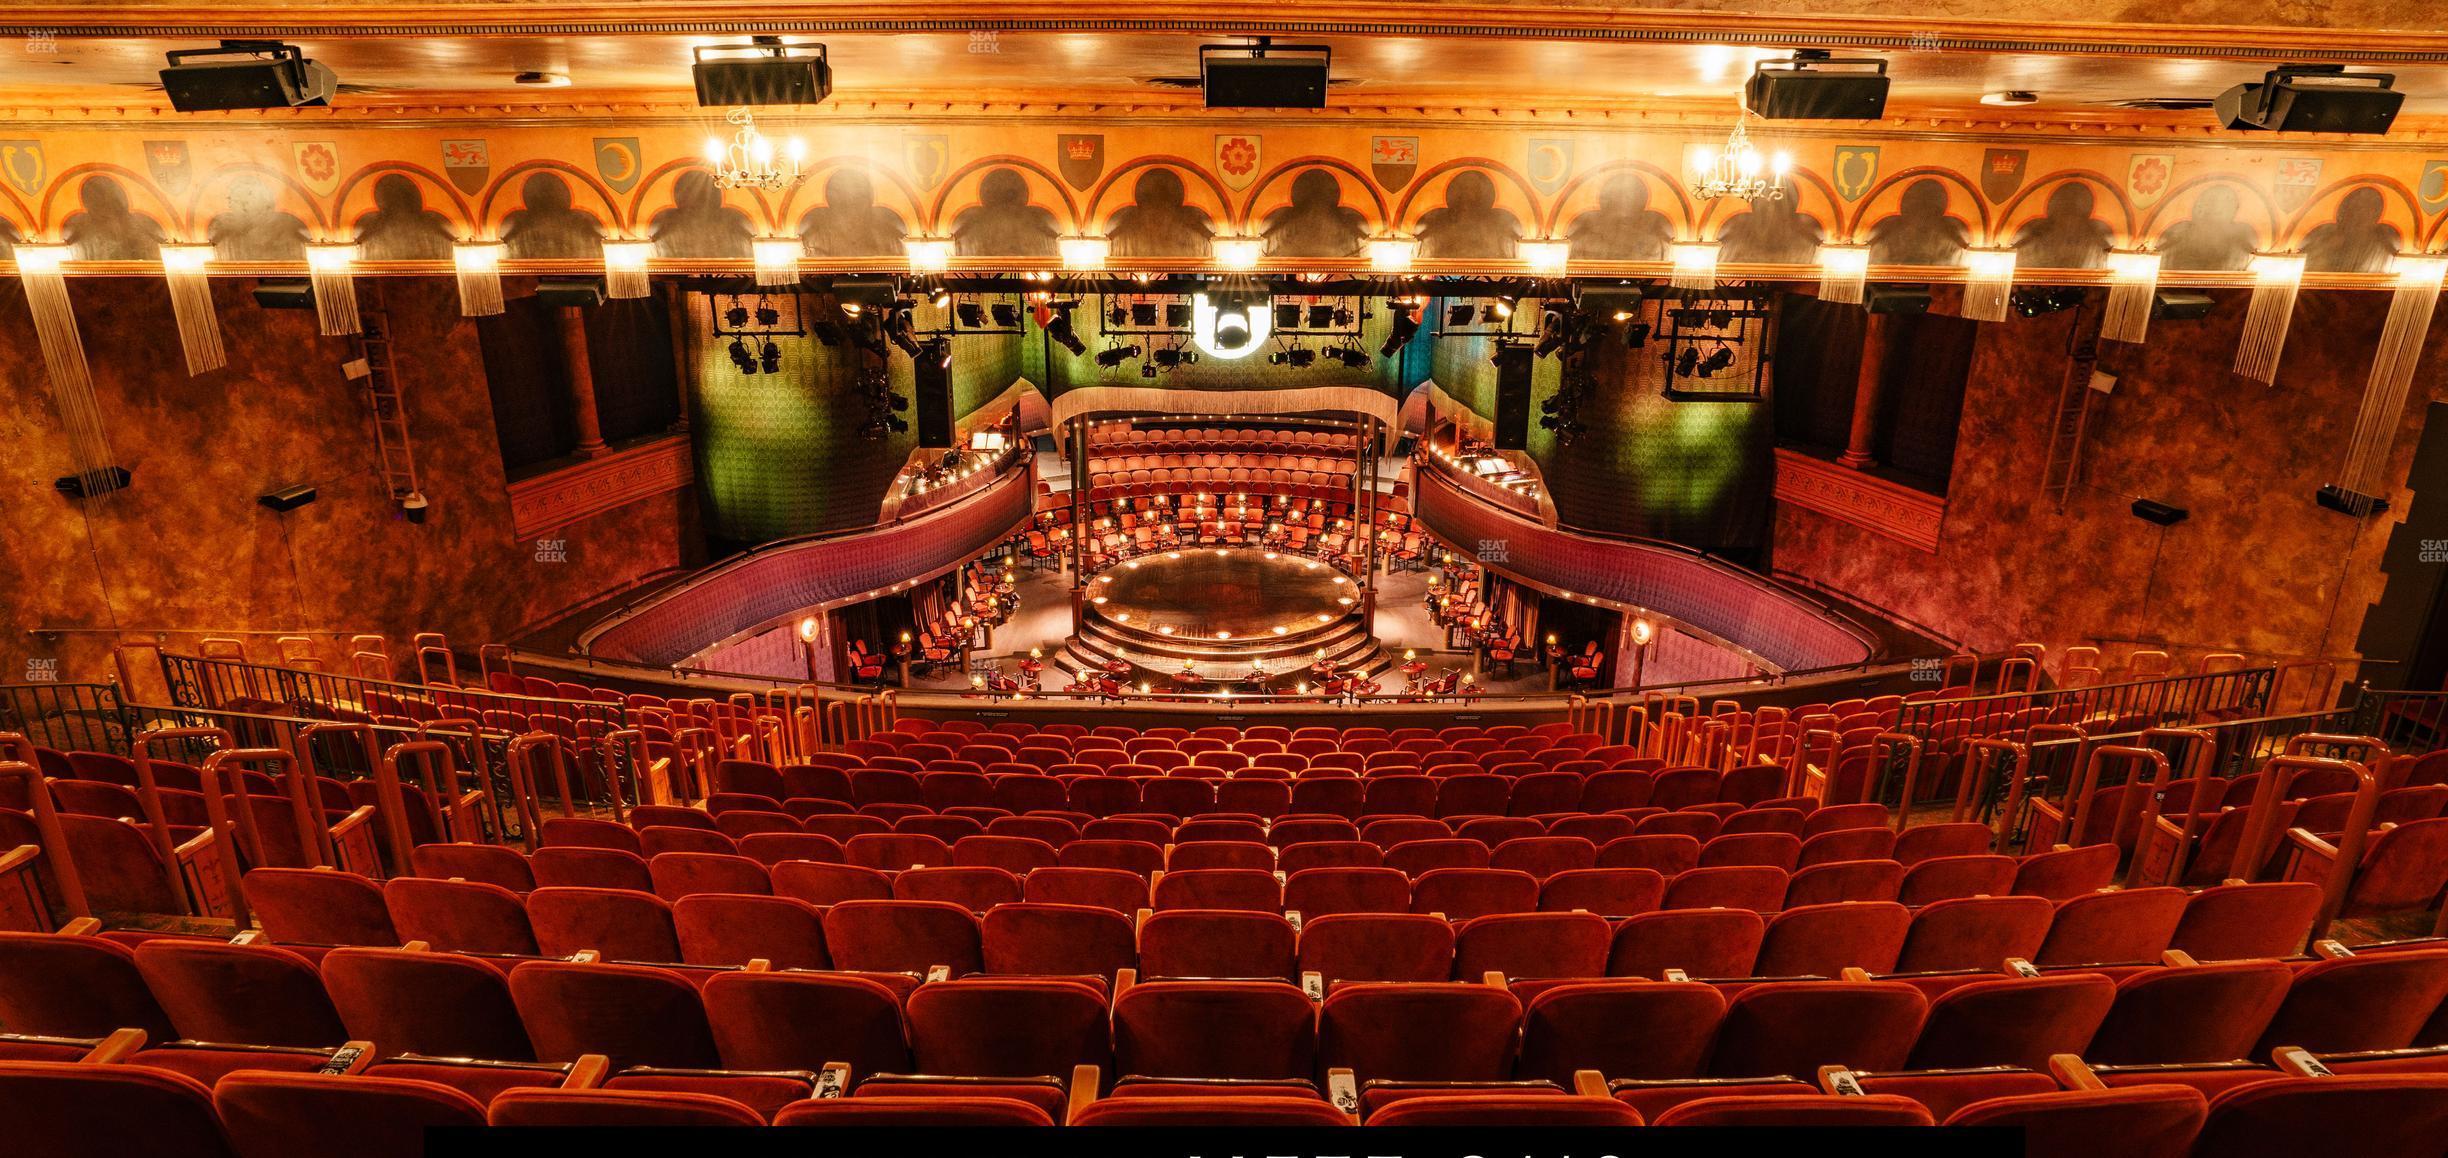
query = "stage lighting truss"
{"x": 1504, "y": 317}
{"x": 1714, "y": 347}
{"x": 974, "y": 313}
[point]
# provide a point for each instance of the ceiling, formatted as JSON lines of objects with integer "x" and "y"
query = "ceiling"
{"x": 1373, "y": 70}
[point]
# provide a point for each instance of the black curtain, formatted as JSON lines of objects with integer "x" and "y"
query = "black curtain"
{"x": 1818, "y": 362}
{"x": 1921, "y": 394}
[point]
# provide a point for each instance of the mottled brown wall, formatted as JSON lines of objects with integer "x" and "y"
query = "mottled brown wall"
{"x": 188, "y": 548}
{"x": 2258, "y": 568}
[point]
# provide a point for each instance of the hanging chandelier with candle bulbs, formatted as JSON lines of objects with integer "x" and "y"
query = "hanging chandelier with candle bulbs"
{"x": 750, "y": 160}
{"x": 1738, "y": 169}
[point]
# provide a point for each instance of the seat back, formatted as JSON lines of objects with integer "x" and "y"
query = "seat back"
{"x": 96, "y": 1111}
{"x": 272, "y": 1113}
{"x": 2013, "y": 1021}
{"x": 1399, "y": 1031}
{"x": 1215, "y": 1029}
{"x": 246, "y": 994}
{"x": 435, "y": 1004}
{"x": 632, "y": 1014}
{"x": 1795, "y": 1027}
{"x": 2197, "y": 1013}
{"x": 801, "y": 1021}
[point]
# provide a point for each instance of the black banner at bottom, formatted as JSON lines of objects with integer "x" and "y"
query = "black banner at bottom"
{"x": 1228, "y": 1142}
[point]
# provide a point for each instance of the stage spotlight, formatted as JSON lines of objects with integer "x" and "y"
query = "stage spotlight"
{"x": 1004, "y": 315}
{"x": 1058, "y": 328}
{"x": 1352, "y": 357}
{"x": 1303, "y": 357}
{"x": 736, "y": 317}
{"x": 741, "y": 358}
{"x": 1118, "y": 315}
{"x": 1177, "y": 315}
{"x": 1113, "y": 356}
{"x": 1168, "y": 357}
{"x": 1458, "y": 316}
{"x": 897, "y": 327}
{"x": 1687, "y": 362}
{"x": 938, "y": 350}
{"x": 769, "y": 359}
{"x": 268, "y": 75}
{"x": 970, "y": 315}
{"x": 1718, "y": 361}
{"x": 1406, "y": 326}
{"x": 767, "y": 316}
{"x": 1287, "y": 316}
{"x": 1321, "y": 317}
{"x": 941, "y": 297}
{"x": 1636, "y": 335}
{"x": 1503, "y": 307}
{"x": 1143, "y": 314}
{"x": 828, "y": 333}
{"x": 1552, "y": 335}
{"x": 1342, "y": 315}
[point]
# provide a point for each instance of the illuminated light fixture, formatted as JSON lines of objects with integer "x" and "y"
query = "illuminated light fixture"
{"x": 1083, "y": 253}
{"x": 1392, "y": 254}
{"x": 1546, "y": 257}
{"x": 1738, "y": 169}
{"x": 1842, "y": 270}
{"x": 777, "y": 260}
{"x": 2276, "y": 277}
{"x": 927, "y": 254}
{"x": 1988, "y": 284}
{"x": 479, "y": 266}
{"x": 2133, "y": 281}
{"x": 1245, "y": 327}
{"x": 1695, "y": 264}
{"x": 751, "y": 160}
{"x": 807, "y": 629}
{"x": 1238, "y": 253}
{"x": 191, "y": 303}
{"x": 1642, "y": 633}
{"x": 39, "y": 271}
{"x": 335, "y": 291}
{"x": 625, "y": 268}
{"x": 2366, "y": 474}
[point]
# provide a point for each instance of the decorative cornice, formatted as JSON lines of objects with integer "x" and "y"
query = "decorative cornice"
{"x": 560, "y": 497}
{"x": 1849, "y": 496}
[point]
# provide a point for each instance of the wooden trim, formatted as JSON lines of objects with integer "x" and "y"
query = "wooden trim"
{"x": 581, "y": 490}
{"x": 1866, "y": 501}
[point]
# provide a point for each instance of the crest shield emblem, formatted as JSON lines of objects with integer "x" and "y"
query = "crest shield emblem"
{"x": 927, "y": 157}
{"x": 467, "y": 163}
{"x": 318, "y": 165}
{"x": 2431, "y": 189}
{"x": 1393, "y": 161}
{"x": 1080, "y": 157}
{"x": 2002, "y": 172}
{"x": 170, "y": 166}
{"x": 2148, "y": 176}
{"x": 2297, "y": 177}
{"x": 1236, "y": 158}
{"x": 1550, "y": 162}
{"x": 618, "y": 162}
{"x": 1857, "y": 168}
{"x": 24, "y": 165}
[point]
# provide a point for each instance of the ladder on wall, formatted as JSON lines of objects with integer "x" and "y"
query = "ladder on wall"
{"x": 373, "y": 369}
{"x": 2075, "y": 398}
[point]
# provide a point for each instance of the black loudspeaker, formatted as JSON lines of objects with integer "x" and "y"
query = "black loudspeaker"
{"x": 1898, "y": 299}
{"x": 934, "y": 398}
{"x": 562, "y": 291}
{"x": 767, "y": 72}
{"x": 2182, "y": 305}
{"x": 1264, "y": 75}
{"x": 246, "y": 74}
{"x": 287, "y": 498}
{"x": 102, "y": 480}
{"x": 2160, "y": 513}
{"x": 284, "y": 293}
{"x": 1513, "y": 398}
{"x": 1813, "y": 87}
{"x": 2312, "y": 98}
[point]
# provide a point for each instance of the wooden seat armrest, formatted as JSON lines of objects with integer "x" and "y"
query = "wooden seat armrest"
{"x": 587, "y": 1072}
{"x": 82, "y": 927}
{"x": 1590, "y": 1084}
{"x": 118, "y": 1047}
{"x": 2312, "y": 845}
{"x": 2177, "y": 958}
{"x": 2073, "y": 1073}
{"x": 195, "y": 844}
{"x": 1084, "y": 1083}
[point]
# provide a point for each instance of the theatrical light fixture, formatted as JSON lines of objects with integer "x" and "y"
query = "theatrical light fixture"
{"x": 1502, "y": 307}
{"x": 1177, "y": 315}
{"x": 769, "y": 358}
{"x": 1143, "y": 314}
{"x": 1545, "y": 257}
{"x": 2312, "y": 98}
{"x": 246, "y": 74}
{"x": 1842, "y": 270}
{"x": 764, "y": 71}
{"x": 927, "y": 254}
{"x": 1058, "y": 328}
{"x": 1321, "y": 317}
{"x": 1405, "y": 325}
{"x": 479, "y": 267}
{"x": 970, "y": 315}
{"x": 901, "y": 332}
{"x": 742, "y": 357}
{"x": 1695, "y": 264}
{"x": 750, "y": 160}
{"x": 1636, "y": 335}
{"x": 1004, "y": 314}
{"x": 777, "y": 262}
{"x": 1113, "y": 356}
{"x": 1988, "y": 283}
{"x": 1392, "y": 254}
{"x": 1238, "y": 253}
{"x": 1718, "y": 361}
{"x": 625, "y": 268}
{"x": 1458, "y": 315}
{"x": 1083, "y": 253}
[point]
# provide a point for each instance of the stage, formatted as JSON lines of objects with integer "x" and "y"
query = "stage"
{"x": 1224, "y": 610}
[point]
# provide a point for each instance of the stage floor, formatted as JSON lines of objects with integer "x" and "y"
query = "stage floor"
{"x": 1217, "y": 594}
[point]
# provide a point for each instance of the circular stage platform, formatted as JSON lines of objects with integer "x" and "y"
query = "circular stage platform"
{"x": 1223, "y": 609}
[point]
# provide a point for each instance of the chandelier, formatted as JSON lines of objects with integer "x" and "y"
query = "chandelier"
{"x": 749, "y": 161}
{"x": 1738, "y": 170}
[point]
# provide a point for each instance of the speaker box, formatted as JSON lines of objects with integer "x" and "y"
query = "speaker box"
{"x": 933, "y": 390}
{"x": 1513, "y": 398}
{"x": 1812, "y": 87}
{"x": 584, "y": 293}
{"x": 2312, "y": 99}
{"x": 776, "y": 74}
{"x": 287, "y": 499}
{"x": 284, "y": 293}
{"x": 1264, "y": 76}
{"x": 1898, "y": 299}
{"x": 263, "y": 76}
{"x": 94, "y": 482}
